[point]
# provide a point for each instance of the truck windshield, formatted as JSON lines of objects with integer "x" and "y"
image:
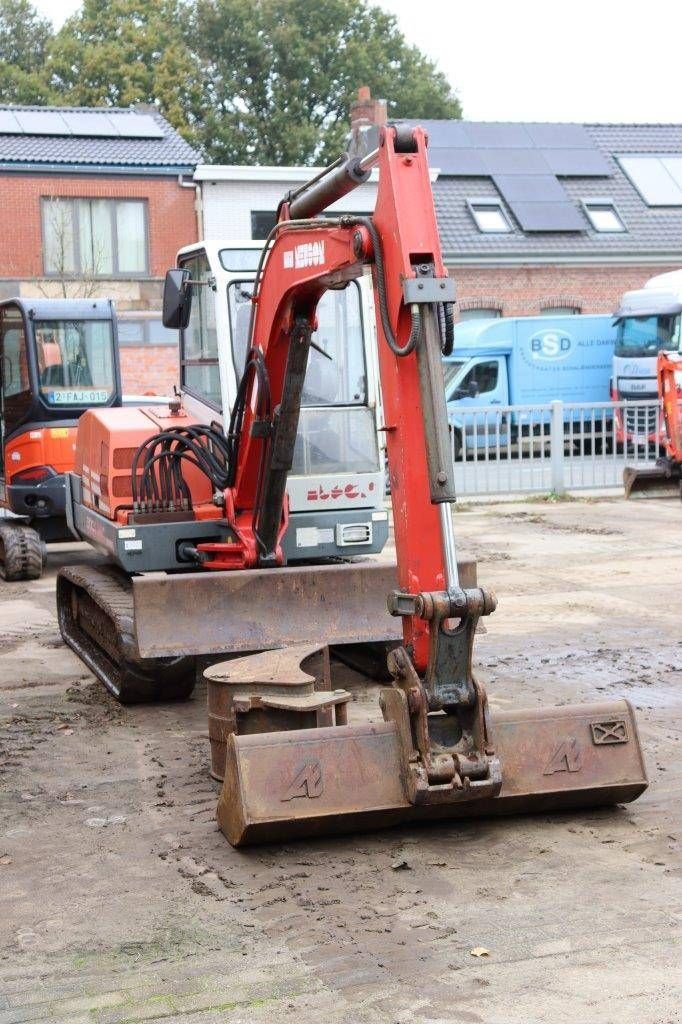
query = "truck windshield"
{"x": 647, "y": 335}
{"x": 337, "y": 374}
{"x": 75, "y": 360}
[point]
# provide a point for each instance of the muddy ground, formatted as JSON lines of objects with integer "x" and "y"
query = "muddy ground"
{"x": 121, "y": 901}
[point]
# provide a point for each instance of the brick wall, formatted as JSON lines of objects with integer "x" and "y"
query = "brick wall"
{"x": 152, "y": 369}
{"x": 171, "y": 215}
{"x": 525, "y": 290}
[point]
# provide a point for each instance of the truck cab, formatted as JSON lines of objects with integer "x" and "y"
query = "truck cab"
{"x": 58, "y": 357}
{"x": 649, "y": 321}
{"x": 336, "y": 485}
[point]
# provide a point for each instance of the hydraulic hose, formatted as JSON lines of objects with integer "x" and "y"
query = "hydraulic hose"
{"x": 415, "y": 312}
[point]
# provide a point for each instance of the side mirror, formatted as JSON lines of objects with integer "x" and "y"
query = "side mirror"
{"x": 177, "y": 300}
{"x": 474, "y": 389}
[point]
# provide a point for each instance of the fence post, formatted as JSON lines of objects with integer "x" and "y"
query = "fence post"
{"x": 556, "y": 442}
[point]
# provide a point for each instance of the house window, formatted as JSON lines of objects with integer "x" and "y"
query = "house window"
{"x": 95, "y": 237}
{"x": 138, "y": 331}
{"x": 262, "y": 223}
{"x": 479, "y": 313}
{"x": 489, "y": 216}
{"x": 603, "y": 215}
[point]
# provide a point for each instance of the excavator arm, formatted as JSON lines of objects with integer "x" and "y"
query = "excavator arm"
{"x": 435, "y": 752}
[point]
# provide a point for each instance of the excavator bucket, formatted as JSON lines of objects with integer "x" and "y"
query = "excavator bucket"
{"x": 288, "y": 783}
{"x": 650, "y": 482}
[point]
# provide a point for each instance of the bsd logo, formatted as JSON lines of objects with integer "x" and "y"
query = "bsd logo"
{"x": 550, "y": 345}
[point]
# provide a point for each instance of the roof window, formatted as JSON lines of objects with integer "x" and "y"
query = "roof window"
{"x": 603, "y": 215}
{"x": 489, "y": 216}
{"x": 658, "y": 179}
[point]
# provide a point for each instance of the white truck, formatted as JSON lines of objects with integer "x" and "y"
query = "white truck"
{"x": 649, "y": 320}
{"x": 336, "y": 486}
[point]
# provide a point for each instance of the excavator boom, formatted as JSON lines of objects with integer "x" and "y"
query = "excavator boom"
{"x": 293, "y": 764}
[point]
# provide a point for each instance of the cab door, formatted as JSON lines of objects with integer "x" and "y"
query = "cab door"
{"x": 15, "y": 388}
{"x": 484, "y": 384}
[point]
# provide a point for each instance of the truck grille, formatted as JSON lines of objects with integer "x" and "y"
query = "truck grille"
{"x": 641, "y": 420}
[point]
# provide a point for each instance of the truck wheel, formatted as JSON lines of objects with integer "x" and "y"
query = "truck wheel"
{"x": 21, "y": 553}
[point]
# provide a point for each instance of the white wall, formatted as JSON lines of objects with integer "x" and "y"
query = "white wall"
{"x": 227, "y": 205}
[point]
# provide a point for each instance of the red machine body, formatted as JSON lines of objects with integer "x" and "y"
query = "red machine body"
{"x": 669, "y": 373}
{"x": 107, "y": 442}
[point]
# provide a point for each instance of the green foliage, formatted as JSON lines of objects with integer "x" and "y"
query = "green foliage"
{"x": 280, "y": 75}
{"x": 122, "y": 52}
{"x": 250, "y": 81}
{"x": 24, "y": 37}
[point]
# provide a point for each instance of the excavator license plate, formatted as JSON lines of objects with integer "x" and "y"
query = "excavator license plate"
{"x": 308, "y": 782}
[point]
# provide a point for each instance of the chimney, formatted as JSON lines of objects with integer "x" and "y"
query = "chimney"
{"x": 366, "y": 111}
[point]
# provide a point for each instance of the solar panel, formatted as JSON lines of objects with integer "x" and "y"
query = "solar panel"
{"x": 559, "y": 136}
{"x": 447, "y": 134}
{"x": 463, "y": 163}
{"x": 530, "y": 188}
{"x": 9, "y": 124}
{"x": 577, "y": 163}
{"x": 515, "y": 161}
{"x": 86, "y": 124}
{"x": 136, "y": 126}
{"x": 41, "y": 122}
{"x": 547, "y": 216}
{"x": 498, "y": 136}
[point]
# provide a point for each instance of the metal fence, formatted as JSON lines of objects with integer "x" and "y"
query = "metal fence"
{"x": 557, "y": 447}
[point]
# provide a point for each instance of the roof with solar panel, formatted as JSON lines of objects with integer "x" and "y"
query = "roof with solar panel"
{"x": 534, "y": 190}
{"x": 78, "y": 138}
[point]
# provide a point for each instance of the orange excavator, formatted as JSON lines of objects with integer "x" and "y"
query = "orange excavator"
{"x": 669, "y": 375}
{"x": 293, "y": 765}
{"x": 58, "y": 357}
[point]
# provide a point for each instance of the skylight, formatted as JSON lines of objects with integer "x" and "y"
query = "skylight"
{"x": 489, "y": 216}
{"x": 603, "y": 215}
{"x": 658, "y": 179}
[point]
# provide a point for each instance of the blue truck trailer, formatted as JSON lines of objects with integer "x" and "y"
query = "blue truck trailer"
{"x": 526, "y": 361}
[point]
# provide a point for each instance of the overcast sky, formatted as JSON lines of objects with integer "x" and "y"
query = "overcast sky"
{"x": 539, "y": 60}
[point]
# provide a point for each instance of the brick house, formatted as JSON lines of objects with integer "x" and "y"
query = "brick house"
{"x": 534, "y": 218}
{"x": 97, "y": 202}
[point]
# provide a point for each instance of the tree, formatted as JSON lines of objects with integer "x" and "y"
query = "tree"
{"x": 24, "y": 38}
{"x": 122, "y": 52}
{"x": 279, "y": 76}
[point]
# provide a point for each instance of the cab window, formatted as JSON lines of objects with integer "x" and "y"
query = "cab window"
{"x": 336, "y": 372}
{"x": 484, "y": 374}
{"x": 199, "y": 342}
{"x": 14, "y": 364}
{"x": 15, "y": 389}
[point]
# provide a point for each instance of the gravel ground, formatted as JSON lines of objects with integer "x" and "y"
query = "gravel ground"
{"x": 121, "y": 901}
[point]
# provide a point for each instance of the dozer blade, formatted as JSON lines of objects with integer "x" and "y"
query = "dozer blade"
{"x": 650, "y": 482}
{"x": 312, "y": 782}
{"x": 263, "y": 609}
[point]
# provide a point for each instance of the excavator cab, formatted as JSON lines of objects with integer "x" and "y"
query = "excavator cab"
{"x": 57, "y": 359}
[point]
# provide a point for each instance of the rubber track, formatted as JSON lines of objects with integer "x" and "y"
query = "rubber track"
{"x": 116, "y": 663}
{"x": 23, "y": 553}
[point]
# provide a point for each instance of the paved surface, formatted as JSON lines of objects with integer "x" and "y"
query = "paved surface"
{"x": 122, "y": 902}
